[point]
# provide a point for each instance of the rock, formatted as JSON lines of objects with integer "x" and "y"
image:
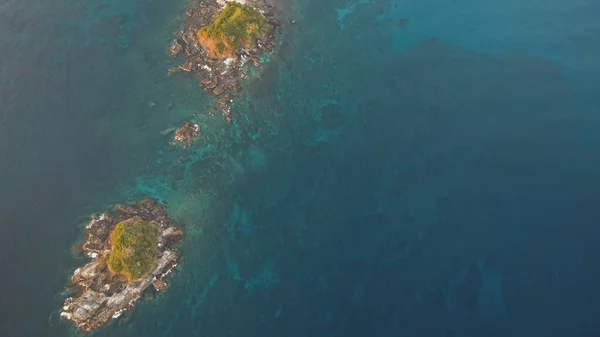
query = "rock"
{"x": 175, "y": 49}
{"x": 104, "y": 295}
{"x": 88, "y": 271}
{"x": 85, "y": 306}
{"x": 186, "y": 134}
{"x": 160, "y": 285}
{"x": 172, "y": 231}
{"x": 402, "y": 22}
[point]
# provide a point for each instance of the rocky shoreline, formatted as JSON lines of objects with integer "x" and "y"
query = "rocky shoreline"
{"x": 105, "y": 295}
{"x": 220, "y": 75}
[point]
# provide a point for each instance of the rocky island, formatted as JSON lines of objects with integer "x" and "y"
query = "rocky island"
{"x": 131, "y": 249}
{"x": 186, "y": 134}
{"x": 219, "y": 38}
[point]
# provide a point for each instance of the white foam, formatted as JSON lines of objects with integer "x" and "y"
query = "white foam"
{"x": 101, "y": 218}
{"x": 117, "y": 314}
{"x": 169, "y": 271}
{"x": 228, "y": 61}
{"x": 243, "y": 59}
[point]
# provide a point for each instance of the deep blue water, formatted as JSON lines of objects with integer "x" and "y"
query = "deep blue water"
{"x": 398, "y": 168}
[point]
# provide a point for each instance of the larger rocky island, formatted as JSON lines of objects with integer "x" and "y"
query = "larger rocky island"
{"x": 219, "y": 38}
{"x": 131, "y": 249}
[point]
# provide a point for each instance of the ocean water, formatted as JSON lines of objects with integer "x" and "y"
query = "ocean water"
{"x": 397, "y": 168}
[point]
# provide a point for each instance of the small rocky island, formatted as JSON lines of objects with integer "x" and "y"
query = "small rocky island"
{"x": 131, "y": 249}
{"x": 220, "y": 37}
{"x": 186, "y": 134}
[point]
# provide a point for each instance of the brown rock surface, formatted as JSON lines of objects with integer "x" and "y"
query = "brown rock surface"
{"x": 186, "y": 134}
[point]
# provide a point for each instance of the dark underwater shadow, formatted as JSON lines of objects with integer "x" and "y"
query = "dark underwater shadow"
{"x": 464, "y": 157}
{"x": 454, "y": 158}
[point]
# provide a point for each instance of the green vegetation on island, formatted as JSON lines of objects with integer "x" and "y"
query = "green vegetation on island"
{"x": 236, "y": 27}
{"x": 134, "y": 248}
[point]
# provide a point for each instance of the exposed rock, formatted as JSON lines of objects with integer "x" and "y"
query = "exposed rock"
{"x": 105, "y": 295}
{"x": 160, "y": 285}
{"x": 186, "y": 134}
{"x": 171, "y": 231}
{"x": 175, "y": 48}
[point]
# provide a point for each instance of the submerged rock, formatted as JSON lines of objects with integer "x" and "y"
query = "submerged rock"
{"x": 105, "y": 294}
{"x": 214, "y": 51}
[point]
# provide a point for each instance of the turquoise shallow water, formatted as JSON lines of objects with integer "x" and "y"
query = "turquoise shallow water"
{"x": 398, "y": 168}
